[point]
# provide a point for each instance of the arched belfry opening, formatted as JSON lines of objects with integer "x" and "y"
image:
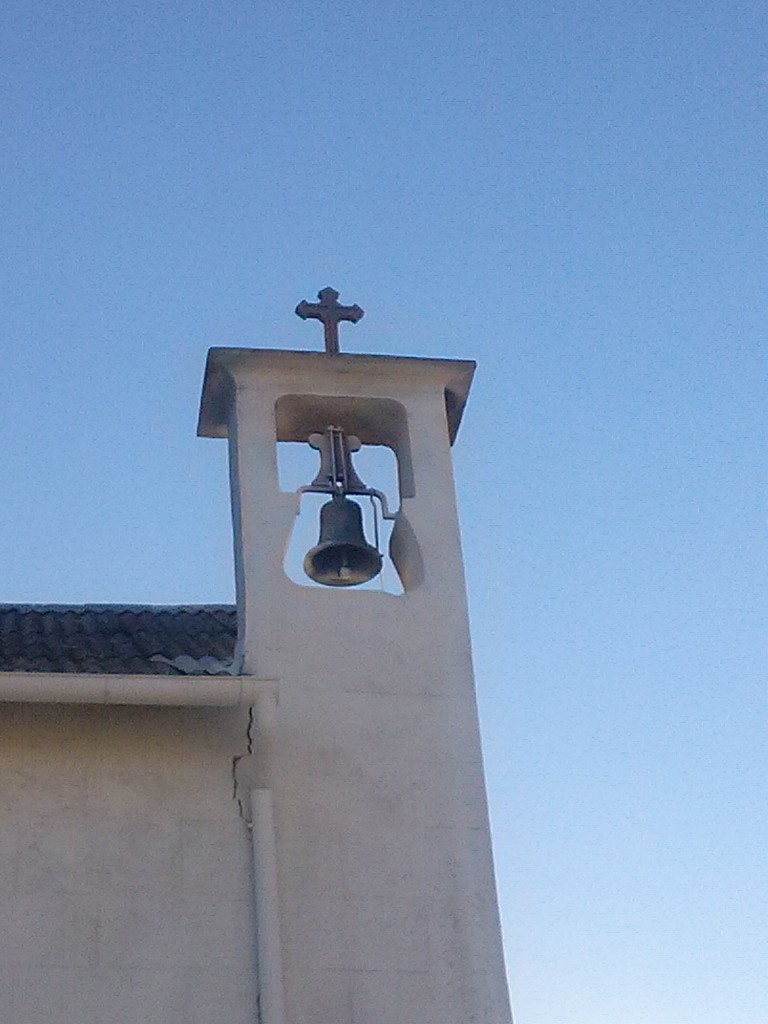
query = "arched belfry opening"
{"x": 360, "y": 474}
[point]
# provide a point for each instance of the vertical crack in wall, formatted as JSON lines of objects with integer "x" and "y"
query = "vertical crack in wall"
{"x": 237, "y": 796}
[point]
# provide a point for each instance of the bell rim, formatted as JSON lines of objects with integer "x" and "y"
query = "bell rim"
{"x": 369, "y": 549}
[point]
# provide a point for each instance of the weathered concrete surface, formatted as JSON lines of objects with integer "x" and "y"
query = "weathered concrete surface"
{"x": 125, "y": 878}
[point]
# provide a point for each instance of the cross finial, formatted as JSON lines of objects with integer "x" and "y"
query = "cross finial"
{"x": 331, "y": 313}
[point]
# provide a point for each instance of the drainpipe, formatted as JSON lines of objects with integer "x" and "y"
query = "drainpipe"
{"x": 264, "y": 854}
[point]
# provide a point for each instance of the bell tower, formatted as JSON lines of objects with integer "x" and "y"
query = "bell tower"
{"x": 367, "y": 788}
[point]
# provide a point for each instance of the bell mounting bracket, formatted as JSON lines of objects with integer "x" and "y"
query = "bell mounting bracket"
{"x": 337, "y": 474}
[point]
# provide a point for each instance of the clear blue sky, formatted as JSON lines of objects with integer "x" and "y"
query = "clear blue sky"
{"x": 575, "y": 195}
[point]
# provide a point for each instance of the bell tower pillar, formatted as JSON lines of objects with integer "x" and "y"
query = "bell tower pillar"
{"x": 385, "y": 900}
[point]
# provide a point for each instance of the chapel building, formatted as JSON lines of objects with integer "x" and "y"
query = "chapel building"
{"x": 275, "y": 812}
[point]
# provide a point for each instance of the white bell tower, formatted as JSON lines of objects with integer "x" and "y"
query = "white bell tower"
{"x": 376, "y": 899}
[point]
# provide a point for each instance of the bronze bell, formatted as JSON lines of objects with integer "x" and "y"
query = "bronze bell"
{"x": 342, "y": 557}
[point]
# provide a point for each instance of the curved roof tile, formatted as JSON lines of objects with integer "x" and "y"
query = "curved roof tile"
{"x": 118, "y": 639}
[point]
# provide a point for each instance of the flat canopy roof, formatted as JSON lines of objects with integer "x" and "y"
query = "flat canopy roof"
{"x": 454, "y": 376}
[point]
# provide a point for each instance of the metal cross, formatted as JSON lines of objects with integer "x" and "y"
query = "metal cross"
{"x": 331, "y": 313}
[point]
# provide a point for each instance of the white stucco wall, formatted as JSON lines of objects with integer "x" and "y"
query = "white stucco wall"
{"x": 125, "y": 879}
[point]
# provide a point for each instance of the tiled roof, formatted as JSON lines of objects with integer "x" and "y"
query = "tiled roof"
{"x": 118, "y": 639}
